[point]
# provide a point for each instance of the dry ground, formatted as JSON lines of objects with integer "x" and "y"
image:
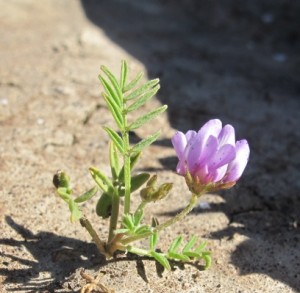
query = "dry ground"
{"x": 235, "y": 61}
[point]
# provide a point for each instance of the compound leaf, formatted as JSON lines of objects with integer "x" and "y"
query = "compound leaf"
{"x": 87, "y": 195}
{"x": 115, "y": 110}
{"x": 123, "y": 77}
{"x": 115, "y": 137}
{"x": 145, "y": 142}
{"x": 161, "y": 259}
{"x": 133, "y": 83}
{"x": 175, "y": 244}
{"x": 143, "y": 99}
{"x": 147, "y": 117}
{"x": 114, "y": 83}
{"x": 142, "y": 89}
{"x": 190, "y": 244}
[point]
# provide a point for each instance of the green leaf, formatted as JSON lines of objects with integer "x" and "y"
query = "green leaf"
{"x": 190, "y": 244}
{"x": 142, "y": 89}
{"x": 161, "y": 259}
{"x": 142, "y": 229}
{"x": 153, "y": 240}
{"x": 87, "y": 195}
{"x": 200, "y": 247}
{"x": 143, "y": 99}
{"x": 178, "y": 256}
{"x": 114, "y": 161}
{"x": 138, "y": 216}
{"x": 103, "y": 182}
{"x": 128, "y": 222}
{"x": 192, "y": 254}
{"x": 123, "y": 77}
{"x": 133, "y": 83}
{"x": 109, "y": 91}
{"x": 121, "y": 231}
{"x": 145, "y": 142}
{"x": 103, "y": 207}
{"x": 147, "y": 117}
{"x": 115, "y": 110}
{"x": 75, "y": 212}
{"x": 133, "y": 160}
{"x": 63, "y": 193}
{"x": 114, "y": 83}
{"x": 115, "y": 137}
{"x": 207, "y": 258}
{"x": 138, "y": 180}
{"x": 175, "y": 244}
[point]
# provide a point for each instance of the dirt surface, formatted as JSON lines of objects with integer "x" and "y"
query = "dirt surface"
{"x": 235, "y": 60}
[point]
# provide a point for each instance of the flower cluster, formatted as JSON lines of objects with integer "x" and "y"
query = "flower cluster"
{"x": 210, "y": 159}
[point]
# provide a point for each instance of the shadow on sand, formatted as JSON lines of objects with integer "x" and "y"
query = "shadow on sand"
{"x": 54, "y": 255}
{"x": 58, "y": 258}
{"x": 231, "y": 60}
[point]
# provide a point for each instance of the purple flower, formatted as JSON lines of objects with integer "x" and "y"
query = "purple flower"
{"x": 210, "y": 159}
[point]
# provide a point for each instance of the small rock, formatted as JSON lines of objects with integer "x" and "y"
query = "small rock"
{"x": 3, "y": 102}
{"x": 204, "y": 205}
{"x": 40, "y": 121}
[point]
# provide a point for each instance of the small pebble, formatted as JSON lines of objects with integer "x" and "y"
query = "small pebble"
{"x": 40, "y": 121}
{"x": 204, "y": 205}
{"x": 3, "y": 102}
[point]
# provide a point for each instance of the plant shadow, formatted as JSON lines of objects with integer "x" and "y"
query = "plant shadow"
{"x": 271, "y": 229}
{"x": 53, "y": 255}
{"x": 57, "y": 258}
{"x": 220, "y": 59}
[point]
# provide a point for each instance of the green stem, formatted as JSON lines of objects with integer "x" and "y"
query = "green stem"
{"x": 168, "y": 223}
{"x": 114, "y": 216}
{"x": 138, "y": 251}
{"x": 127, "y": 173}
{"x": 100, "y": 244}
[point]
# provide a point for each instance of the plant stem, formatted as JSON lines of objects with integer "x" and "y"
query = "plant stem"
{"x": 100, "y": 244}
{"x": 178, "y": 217}
{"x": 114, "y": 216}
{"x": 138, "y": 251}
{"x": 127, "y": 172}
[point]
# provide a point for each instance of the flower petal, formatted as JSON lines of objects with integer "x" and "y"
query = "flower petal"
{"x": 197, "y": 157}
{"x": 219, "y": 173}
{"x": 202, "y": 174}
{"x": 223, "y": 156}
{"x": 179, "y": 143}
{"x": 208, "y": 150}
{"x": 238, "y": 165}
{"x": 212, "y": 127}
{"x": 190, "y": 135}
{"x": 192, "y": 153}
{"x": 227, "y": 135}
{"x": 181, "y": 168}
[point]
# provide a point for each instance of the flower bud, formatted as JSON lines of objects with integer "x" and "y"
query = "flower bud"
{"x": 152, "y": 193}
{"x": 61, "y": 179}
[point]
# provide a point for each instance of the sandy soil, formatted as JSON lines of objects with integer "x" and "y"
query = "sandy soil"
{"x": 238, "y": 61}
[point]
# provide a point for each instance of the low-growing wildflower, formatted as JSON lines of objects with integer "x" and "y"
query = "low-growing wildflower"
{"x": 210, "y": 159}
